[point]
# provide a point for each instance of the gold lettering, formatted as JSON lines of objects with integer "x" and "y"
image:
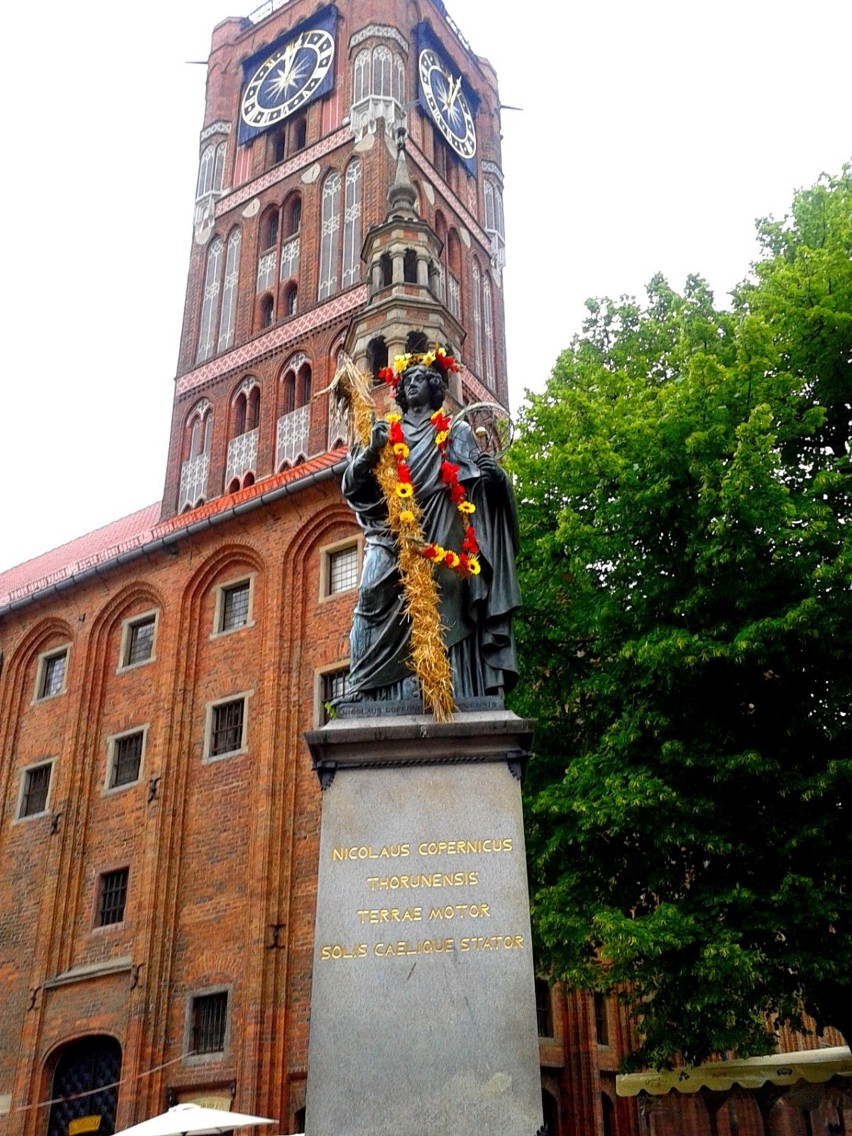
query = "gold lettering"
{"x": 390, "y": 915}
{"x": 336, "y": 951}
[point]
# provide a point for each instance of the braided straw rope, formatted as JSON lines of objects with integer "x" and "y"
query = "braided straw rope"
{"x": 429, "y": 660}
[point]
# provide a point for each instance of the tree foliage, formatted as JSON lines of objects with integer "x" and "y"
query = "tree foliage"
{"x": 686, "y": 505}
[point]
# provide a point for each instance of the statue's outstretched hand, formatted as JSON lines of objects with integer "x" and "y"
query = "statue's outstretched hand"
{"x": 378, "y": 437}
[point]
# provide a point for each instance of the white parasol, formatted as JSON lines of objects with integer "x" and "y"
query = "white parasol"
{"x": 182, "y": 1119}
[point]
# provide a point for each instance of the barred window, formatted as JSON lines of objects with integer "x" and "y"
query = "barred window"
{"x": 333, "y": 685}
{"x": 126, "y": 759}
{"x": 36, "y": 785}
{"x": 226, "y": 727}
{"x": 52, "y": 674}
{"x": 542, "y": 1008}
{"x": 209, "y": 1019}
{"x": 113, "y": 897}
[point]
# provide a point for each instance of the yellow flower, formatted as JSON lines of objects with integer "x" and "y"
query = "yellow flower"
{"x": 401, "y": 362}
{"x": 466, "y": 507}
{"x": 400, "y": 449}
{"x": 407, "y": 517}
{"x": 393, "y": 418}
{"x": 404, "y": 489}
{"x": 451, "y": 559}
{"x": 473, "y": 566}
{"x": 429, "y": 358}
{"x": 441, "y": 437}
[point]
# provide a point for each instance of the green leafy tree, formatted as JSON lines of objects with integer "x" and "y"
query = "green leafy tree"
{"x": 686, "y": 507}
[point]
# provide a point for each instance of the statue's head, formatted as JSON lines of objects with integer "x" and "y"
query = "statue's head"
{"x": 419, "y": 372}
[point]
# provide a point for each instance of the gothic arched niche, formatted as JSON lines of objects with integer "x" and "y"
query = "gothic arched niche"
{"x": 85, "y": 1084}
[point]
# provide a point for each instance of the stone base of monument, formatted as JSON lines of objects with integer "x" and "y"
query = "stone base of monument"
{"x": 423, "y": 1005}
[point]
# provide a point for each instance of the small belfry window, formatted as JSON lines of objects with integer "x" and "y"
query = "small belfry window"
{"x": 112, "y": 897}
{"x": 209, "y": 1021}
{"x": 36, "y": 783}
{"x": 51, "y": 678}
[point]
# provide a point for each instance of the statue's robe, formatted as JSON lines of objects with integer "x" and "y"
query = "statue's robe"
{"x": 476, "y": 611}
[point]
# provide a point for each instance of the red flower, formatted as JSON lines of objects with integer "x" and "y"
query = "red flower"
{"x": 396, "y": 434}
{"x": 449, "y": 472}
{"x": 403, "y": 472}
{"x": 429, "y": 551}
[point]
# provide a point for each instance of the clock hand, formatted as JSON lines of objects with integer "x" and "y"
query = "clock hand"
{"x": 454, "y": 90}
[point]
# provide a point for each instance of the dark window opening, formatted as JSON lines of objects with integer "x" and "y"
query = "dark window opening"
{"x": 601, "y": 1020}
{"x": 277, "y": 146}
{"x": 386, "y": 265}
{"x": 140, "y": 641}
{"x": 127, "y": 759}
{"x": 409, "y": 267}
{"x": 300, "y": 134}
{"x": 226, "y": 735}
{"x": 335, "y": 684}
{"x": 543, "y": 1014}
{"x": 209, "y": 1018}
{"x": 267, "y": 311}
{"x": 36, "y": 785}
{"x": 377, "y": 356}
{"x": 113, "y": 897}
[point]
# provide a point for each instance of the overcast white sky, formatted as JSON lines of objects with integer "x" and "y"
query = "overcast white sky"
{"x": 652, "y": 135}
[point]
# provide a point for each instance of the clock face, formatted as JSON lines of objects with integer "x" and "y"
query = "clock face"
{"x": 447, "y": 104}
{"x": 287, "y": 79}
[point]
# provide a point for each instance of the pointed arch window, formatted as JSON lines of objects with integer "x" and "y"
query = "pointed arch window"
{"x": 494, "y": 224}
{"x": 291, "y": 243}
{"x": 488, "y": 323}
{"x": 477, "y": 317}
{"x": 210, "y": 303}
{"x": 361, "y": 82}
{"x": 382, "y": 72}
{"x": 330, "y": 236}
{"x": 294, "y": 423}
{"x": 352, "y": 226}
{"x": 228, "y": 321}
{"x": 219, "y": 167}
{"x": 205, "y": 172}
{"x": 242, "y": 447}
{"x": 194, "y": 470}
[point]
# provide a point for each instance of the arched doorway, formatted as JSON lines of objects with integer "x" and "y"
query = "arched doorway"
{"x": 85, "y": 1088}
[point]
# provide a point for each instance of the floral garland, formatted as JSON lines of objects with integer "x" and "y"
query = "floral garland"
{"x": 466, "y": 562}
{"x": 437, "y": 357}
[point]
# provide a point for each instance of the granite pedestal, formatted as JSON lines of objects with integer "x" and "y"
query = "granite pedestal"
{"x": 423, "y": 1004}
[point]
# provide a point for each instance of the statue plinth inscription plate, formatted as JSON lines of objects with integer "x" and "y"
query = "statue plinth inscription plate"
{"x": 423, "y": 1009}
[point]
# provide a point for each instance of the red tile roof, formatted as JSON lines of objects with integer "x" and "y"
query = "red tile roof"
{"x": 134, "y": 531}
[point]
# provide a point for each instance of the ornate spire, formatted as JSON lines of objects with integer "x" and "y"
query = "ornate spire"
{"x": 402, "y": 196}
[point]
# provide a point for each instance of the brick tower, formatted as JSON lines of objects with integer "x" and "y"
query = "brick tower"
{"x": 298, "y": 152}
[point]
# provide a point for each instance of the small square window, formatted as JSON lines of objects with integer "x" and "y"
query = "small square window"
{"x": 233, "y": 606}
{"x": 35, "y": 788}
{"x": 227, "y": 727}
{"x": 112, "y": 897}
{"x": 339, "y": 568}
{"x": 343, "y": 570}
{"x": 139, "y": 641}
{"x": 209, "y": 1019}
{"x": 51, "y": 675}
{"x": 126, "y": 758}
